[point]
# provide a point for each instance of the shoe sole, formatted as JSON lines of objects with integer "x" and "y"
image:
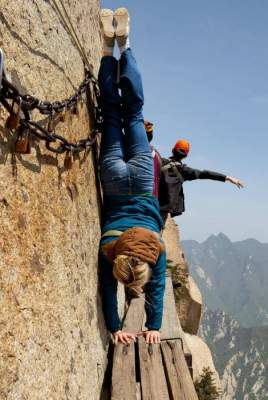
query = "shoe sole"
{"x": 107, "y": 17}
{"x": 121, "y": 17}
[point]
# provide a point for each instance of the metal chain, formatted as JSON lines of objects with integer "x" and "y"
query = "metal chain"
{"x": 13, "y": 100}
{"x": 28, "y": 103}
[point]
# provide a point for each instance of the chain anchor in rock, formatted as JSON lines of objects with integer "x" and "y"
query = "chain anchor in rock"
{"x": 63, "y": 114}
{"x": 13, "y": 119}
{"x": 75, "y": 109}
{"x": 23, "y": 144}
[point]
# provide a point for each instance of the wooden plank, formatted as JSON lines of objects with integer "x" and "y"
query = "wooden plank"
{"x": 171, "y": 327}
{"x": 179, "y": 381}
{"x": 153, "y": 381}
{"x": 135, "y": 315}
{"x": 124, "y": 373}
{"x": 138, "y": 391}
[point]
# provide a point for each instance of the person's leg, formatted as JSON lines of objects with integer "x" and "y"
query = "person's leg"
{"x": 113, "y": 169}
{"x": 137, "y": 148}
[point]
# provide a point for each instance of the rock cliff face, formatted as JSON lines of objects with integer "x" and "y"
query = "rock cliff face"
{"x": 187, "y": 295}
{"x": 202, "y": 357}
{"x": 53, "y": 340}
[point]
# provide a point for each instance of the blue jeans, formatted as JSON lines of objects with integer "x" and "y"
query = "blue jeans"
{"x": 126, "y": 163}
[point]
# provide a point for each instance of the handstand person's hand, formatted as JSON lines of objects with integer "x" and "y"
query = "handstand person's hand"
{"x": 123, "y": 337}
{"x": 152, "y": 336}
{"x": 235, "y": 181}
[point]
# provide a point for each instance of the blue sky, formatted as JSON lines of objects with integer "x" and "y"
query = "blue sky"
{"x": 205, "y": 74}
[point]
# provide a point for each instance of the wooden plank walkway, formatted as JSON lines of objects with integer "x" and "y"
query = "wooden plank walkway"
{"x": 135, "y": 315}
{"x": 179, "y": 380}
{"x": 153, "y": 372}
{"x": 124, "y": 385}
{"x": 171, "y": 327}
{"x": 124, "y": 373}
{"x": 153, "y": 380}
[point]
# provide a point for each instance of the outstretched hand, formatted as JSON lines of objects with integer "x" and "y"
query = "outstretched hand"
{"x": 124, "y": 337}
{"x": 235, "y": 181}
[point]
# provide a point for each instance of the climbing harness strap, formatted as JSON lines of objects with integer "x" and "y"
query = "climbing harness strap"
{"x": 114, "y": 232}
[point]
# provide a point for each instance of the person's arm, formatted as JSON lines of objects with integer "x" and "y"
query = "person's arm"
{"x": 154, "y": 297}
{"x": 190, "y": 174}
{"x": 109, "y": 294}
{"x": 109, "y": 302}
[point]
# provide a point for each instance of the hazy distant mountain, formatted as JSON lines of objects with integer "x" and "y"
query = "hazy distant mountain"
{"x": 240, "y": 356}
{"x": 232, "y": 276}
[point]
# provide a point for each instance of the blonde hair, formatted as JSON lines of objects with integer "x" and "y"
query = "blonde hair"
{"x": 132, "y": 272}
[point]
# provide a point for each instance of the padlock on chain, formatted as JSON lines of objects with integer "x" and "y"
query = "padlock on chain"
{"x": 75, "y": 109}
{"x": 68, "y": 161}
{"x": 81, "y": 104}
{"x": 50, "y": 125}
{"x": 63, "y": 115}
{"x": 23, "y": 143}
{"x": 13, "y": 119}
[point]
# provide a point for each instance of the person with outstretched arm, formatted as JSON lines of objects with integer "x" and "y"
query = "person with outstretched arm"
{"x": 131, "y": 249}
{"x": 174, "y": 173}
{"x": 170, "y": 174}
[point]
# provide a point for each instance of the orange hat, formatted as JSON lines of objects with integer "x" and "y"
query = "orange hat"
{"x": 149, "y": 127}
{"x": 182, "y": 147}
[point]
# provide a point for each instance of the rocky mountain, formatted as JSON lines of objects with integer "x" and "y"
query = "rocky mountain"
{"x": 232, "y": 276}
{"x": 240, "y": 356}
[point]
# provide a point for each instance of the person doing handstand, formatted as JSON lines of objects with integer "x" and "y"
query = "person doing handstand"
{"x": 131, "y": 250}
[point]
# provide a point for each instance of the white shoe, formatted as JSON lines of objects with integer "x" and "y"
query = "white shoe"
{"x": 122, "y": 26}
{"x": 107, "y": 23}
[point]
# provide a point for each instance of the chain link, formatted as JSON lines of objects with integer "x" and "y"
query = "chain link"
{"x": 54, "y": 142}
